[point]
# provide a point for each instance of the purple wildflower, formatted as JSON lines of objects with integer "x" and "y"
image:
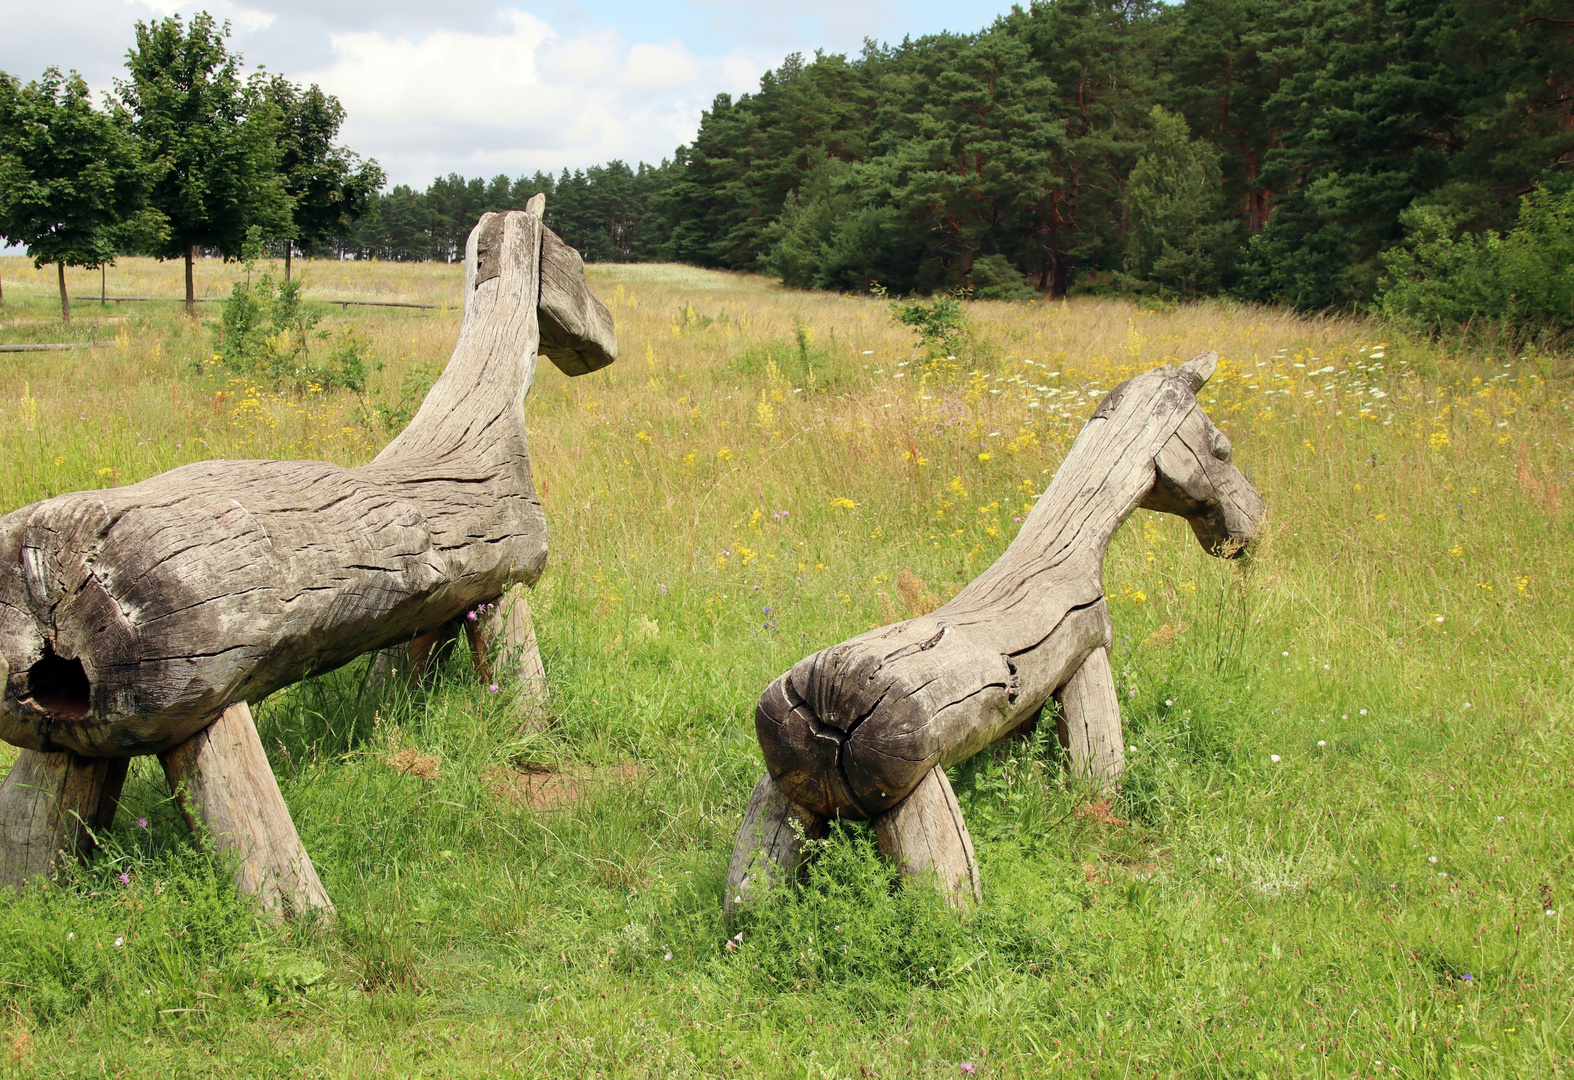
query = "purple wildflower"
{"x": 968, "y": 1068}
{"x": 142, "y": 822}
{"x": 125, "y": 878}
{"x": 493, "y": 688}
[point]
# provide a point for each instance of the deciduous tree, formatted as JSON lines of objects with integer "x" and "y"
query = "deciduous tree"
{"x": 329, "y": 186}
{"x": 214, "y": 135}
{"x": 72, "y": 184}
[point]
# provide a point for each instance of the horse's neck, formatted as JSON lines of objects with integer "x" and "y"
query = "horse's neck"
{"x": 1103, "y": 479}
{"x": 1058, "y": 556}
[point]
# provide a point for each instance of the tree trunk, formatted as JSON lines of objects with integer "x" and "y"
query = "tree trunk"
{"x": 130, "y": 617}
{"x": 103, "y": 285}
{"x": 65, "y": 299}
{"x": 191, "y": 289}
{"x": 289, "y": 249}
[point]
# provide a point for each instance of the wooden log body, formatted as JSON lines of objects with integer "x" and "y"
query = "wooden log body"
{"x": 851, "y": 730}
{"x": 130, "y": 617}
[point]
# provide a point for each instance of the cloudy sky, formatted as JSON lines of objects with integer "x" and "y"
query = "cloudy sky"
{"x": 479, "y": 87}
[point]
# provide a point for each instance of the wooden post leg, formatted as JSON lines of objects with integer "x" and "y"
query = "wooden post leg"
{"x": 226, "y": 791}
{"x": 769, "y": 849}
{"x": 429, "y": 651}
{"x": 925, "y": 833}
{"x": 1089, "y": 725}
{"x": 50, "y": 807}
{"x": 503, "y": 641}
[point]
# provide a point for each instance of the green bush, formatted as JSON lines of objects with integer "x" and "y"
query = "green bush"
{"x": 265, "y": 333}
{"x": 1443, "y": 280}
{"x": 941, "y": 324}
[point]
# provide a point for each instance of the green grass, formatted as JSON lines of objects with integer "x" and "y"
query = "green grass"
{"x": 1226, "y": 915}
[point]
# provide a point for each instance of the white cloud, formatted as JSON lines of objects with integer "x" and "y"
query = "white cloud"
{"x": 660, "y": 67}
{"x": 519, "y": 99}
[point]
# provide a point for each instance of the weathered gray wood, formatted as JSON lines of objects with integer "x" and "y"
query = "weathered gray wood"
{"x": 228, "y": 795}
{"x": 130, "y": 616}
{"x": 924, "y": 834}
{"x": 770, "y": 846}
{"x": 1089, "y": 724}
{"x": 51, "y": 807}
{"x": 852, "y": 730}
{"x": 503, "y": 643}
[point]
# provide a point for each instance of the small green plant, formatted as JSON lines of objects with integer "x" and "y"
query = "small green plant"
{"x": 941, "y": 323}
{"x": 266, "y": 333}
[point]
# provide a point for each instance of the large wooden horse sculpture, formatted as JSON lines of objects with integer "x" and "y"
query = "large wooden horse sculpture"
{"x": 867, "y": 728}
{"x": 141, "y": 620}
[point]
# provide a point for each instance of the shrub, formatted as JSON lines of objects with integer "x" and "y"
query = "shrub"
{"x": 996, "y": 278}
{"x": 265, "y": 333}
{"x": 1444, "y": 280}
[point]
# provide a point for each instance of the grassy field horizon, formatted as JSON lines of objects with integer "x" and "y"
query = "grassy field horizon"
{"x": 1342, "y": 846}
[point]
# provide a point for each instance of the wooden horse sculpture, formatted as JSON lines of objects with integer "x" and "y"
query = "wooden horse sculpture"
{"x": 866, "y": 729}
{"x": 141, "y": 620}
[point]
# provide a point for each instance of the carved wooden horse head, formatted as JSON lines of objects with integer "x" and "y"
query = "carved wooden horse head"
{"x": 865, "y": 729}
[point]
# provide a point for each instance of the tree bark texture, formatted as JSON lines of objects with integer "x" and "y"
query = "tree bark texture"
{"x": 65, "y": 300}
{"x": 130, "y": 617}
{"x": 853, "y": 730}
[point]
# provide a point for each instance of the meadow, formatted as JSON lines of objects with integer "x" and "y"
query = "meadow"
{"x": 1343, "y": 845}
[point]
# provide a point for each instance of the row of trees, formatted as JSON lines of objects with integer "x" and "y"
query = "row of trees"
{"x": 1274, "y": 149}
{"x": 187, "y": 154}
{"x": 1280, "y": 150}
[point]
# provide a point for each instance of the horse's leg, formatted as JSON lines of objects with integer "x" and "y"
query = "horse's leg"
{"x": 50, "y": 807}
{"x": 770, "y": 845}
{"x": 227, "y": 793}
{"x": 925, "y": 834}
{"x": 505, "y": 626}
{"x": 1089, "y": 725}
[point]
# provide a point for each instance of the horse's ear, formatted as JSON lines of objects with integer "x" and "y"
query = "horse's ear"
{"x": 1199, "y": 369}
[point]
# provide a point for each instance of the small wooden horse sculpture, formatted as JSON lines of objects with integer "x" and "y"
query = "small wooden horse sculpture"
{"x": 866, "y": 729}
{"x": 141, "y": 620}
